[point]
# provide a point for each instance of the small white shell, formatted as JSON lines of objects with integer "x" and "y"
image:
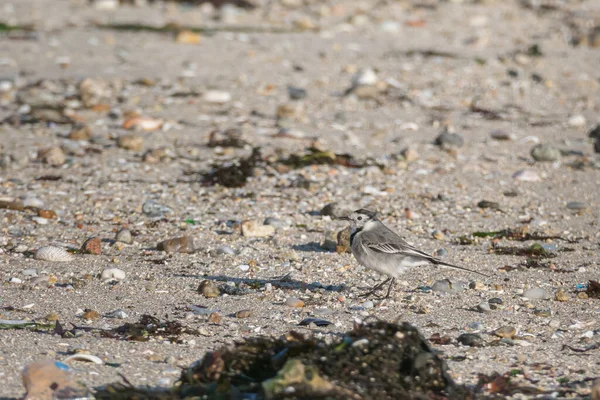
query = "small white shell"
{"x": 51, "y": 253}
{"x": 112, "y": 274}
{"x": 84, "y": 357}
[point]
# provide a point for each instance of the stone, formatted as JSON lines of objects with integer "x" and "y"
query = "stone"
{"x": 124, "y": 236}
{"x": 252, "y": 228}
{"x": 243, "y": 314}
{"x": 225, "y": 250}
{"x": 471, "y": 340}
{"x": 209, "y": 289}
{"x": 437, "y": 235}
{"x": 527, "y": 175}
{"x": 365, "y": 77}
{"x": 214, "y": 318}
{"x": 274, "y": 222}
{"x": 506, "y": 332}
{"x": 216, "y": 97}
{"x": 95, "y": 92}
{"x": 545, "y": 153}
{"x": 343, "y": 241}
{"x": 501, "y": 135}
{"x": 48, "y": 214}
{"x": 90, "y": 315}
{"x": 582, "y": 295}
{"x": 182, "y": 244}
{"x": 92, "y": 246}
{"x": 188, "y": 37}
{"x": 154, "y": 209}
{"x": 542, "y": 312}
{"x": 335, "y": 210}
{"x": 484, "y": 307}
{"x": 561, "y": 295}
{"x": 295, "y": 374}
{"x": 53, "y": 156}
{"x": 577, "y": 121}
{"x": 49, "y": 379}
{"x": 577, "y": 205}
{"x": 448, "y": 140}
{"x": 296, "y": 93}
{"x": 448, "y": 286}
{"x": 112, "y": 274}
{"x": 294, "y": 302}
{"x": 130, "y": 141}
{"x": 80, "y": 133}
{"x": 117, "y": 314}
{"x": 536, "y": 293}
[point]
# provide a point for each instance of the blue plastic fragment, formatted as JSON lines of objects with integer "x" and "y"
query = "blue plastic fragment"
{"x": 581, "y": 286}
{"x": 62, "y": 366}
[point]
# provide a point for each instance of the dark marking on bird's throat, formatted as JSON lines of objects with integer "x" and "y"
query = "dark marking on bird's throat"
{"x": 353, "y": 234}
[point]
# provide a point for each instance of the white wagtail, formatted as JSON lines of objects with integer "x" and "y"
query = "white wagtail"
{"x": 377, "y": 247}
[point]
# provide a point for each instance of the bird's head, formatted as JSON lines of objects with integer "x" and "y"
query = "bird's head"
{"x": 359, "y": 218}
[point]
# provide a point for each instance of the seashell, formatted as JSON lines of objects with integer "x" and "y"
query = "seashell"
{"x": 84, "y": 357}
{"x": 112, "y": 274}
{"x": 52, "y": 253}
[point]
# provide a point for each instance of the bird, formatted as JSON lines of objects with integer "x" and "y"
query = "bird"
{"x": 379, "y": 248}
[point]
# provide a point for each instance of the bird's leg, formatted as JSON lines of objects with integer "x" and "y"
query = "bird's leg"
{"x": 375, "y": 288}
{"x": 390, "y": 288}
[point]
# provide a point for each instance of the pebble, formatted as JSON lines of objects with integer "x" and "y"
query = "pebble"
{"x": 53, "y": 156}
{"x": 135, "y": 142}
{"x": 92, "y": 246}
{"x": 440, "y": 253}
{"x": 124, "y": 236}
{"x": 15, "y": 280}
{"x": 437, "y": 234}
{"x": 296, "y": 93}
{"x": 214, "y": 318}
{"x": 243, "y": 314}
{"x": 33, "y": 202}
{"x": 448, "y": 286}
{"x": 561, "y": 295}
{"x": 31, "y": 272}
{"x": 476, "y": 285}
{"x": 343, "y": 241}
{"x": 582, "y": 295}
{"x": 365, "y": 77}
{"x": 80, "y": 133}
{"x": 40, "y": 220}
{"x": 274, "y": 222}
{"x": 52, "y": 253}
{"x": 495, "y": 303}
{"x": 40, "y": 377}
{"x": 536, "y": 293}
{"x": 576, "y": 205}
{"x": 554, "y": 324}
{"x": 90, "y": 315}
{"x": 244, "y": 267}
{"x": 368, "y": 304}
{"x": 182, "y": 244}
{"x": 527, "y": 175}
{"x": 209, "y": 289}
{"x": 294, "y": 302}
{"x": 131, "y": 141}
{"x": 577, "y": 121}
{"x": 470, "y": 339}
{"x": 335, "y": 210}
{"x": 216, "y": 97}
{"x": 506, "y": 332}
{"x": 154, "y": 209}
{"x": 484, "y": 307}
{"x": 253, "y": 228}
{"x": 51, "y": 317}
{"x": 225, "y": 250}
{"x": 47, "y": 214}
{"x": 542, "y": 312}
{"x": 501, "y": 135}
{"x": 448, "y": 140}
{"x": 112, "y": 274}
{"x": 545, "y": 153}
{"x": 117, "y": 314}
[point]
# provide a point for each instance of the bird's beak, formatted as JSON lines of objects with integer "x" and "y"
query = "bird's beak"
{"x": 344, "y": 218}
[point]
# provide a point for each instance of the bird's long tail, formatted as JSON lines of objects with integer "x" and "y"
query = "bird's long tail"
{"x": 445, "y": 264}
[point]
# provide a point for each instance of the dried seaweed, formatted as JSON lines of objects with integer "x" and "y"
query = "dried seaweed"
{"x": 536, "y": 250}
{"x": 236, "y": 174}
{"x": 316, "y": 156}
{"x": 148, "y": 327}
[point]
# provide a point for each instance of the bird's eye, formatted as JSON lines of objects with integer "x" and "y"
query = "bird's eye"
{"x": 359, "y": 218}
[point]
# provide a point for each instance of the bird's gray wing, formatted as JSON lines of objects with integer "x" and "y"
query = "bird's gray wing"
{"x": 389, "y": 242}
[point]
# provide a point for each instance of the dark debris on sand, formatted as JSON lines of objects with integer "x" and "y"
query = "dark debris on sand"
{"x": 378, "y": 360}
